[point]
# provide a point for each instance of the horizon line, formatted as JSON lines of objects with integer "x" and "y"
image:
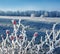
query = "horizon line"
{"x": 28, "y": 10}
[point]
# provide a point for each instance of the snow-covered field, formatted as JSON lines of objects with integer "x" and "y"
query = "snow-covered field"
{"x": 46, "y": 19}
{"x": 47, "y": 29}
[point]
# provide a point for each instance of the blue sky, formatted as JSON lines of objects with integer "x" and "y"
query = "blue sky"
{"x": 22, "y": 5}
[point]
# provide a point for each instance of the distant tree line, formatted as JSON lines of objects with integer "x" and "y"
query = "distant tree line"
{"x": 28, "y": 13}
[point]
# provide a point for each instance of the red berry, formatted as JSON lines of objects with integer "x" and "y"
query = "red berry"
{"x": 14, "y": 22}
{"x": 7, "y": 31}
{"x": 35, "y": 34}
{"x": 12, "y": 37}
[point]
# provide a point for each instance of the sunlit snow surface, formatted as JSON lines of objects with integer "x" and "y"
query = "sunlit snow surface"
{"x": 46, "y": 42}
